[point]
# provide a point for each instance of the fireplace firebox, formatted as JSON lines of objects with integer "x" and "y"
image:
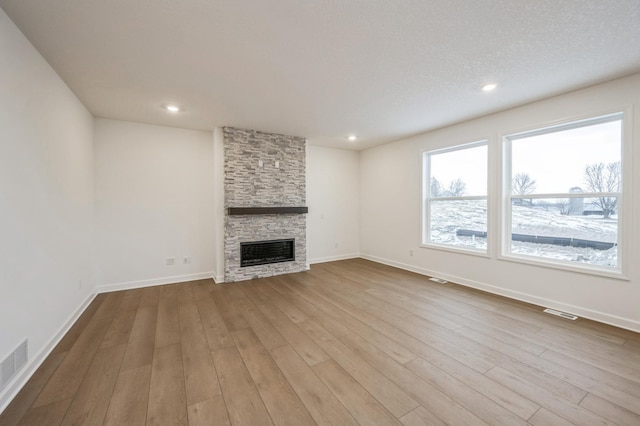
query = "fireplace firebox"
{"x": 264, "y": 252}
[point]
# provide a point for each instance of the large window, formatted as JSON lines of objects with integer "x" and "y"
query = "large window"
{"x": 455, "y": 197}
{"x": 563, "y": 192}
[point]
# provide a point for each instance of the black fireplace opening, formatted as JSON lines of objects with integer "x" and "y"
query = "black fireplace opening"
{"x": 264, "y": 252}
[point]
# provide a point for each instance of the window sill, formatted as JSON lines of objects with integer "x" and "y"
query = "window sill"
{"x": 583, "y": 269}
{"x": 455, "y": 249}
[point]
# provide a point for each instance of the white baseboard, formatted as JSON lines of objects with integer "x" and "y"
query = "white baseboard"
{"x": 218, "y": 278}
{"x": 32, "y": 365}
{"x": 334, "y": 258}
{"x": 154, "y": 281}
{"x": 602, "y": 317}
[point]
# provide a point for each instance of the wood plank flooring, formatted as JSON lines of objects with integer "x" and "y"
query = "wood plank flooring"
{"x": 346, "y": 343}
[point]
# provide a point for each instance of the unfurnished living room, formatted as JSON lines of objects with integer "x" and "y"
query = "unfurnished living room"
{"x": 411, "y": 212}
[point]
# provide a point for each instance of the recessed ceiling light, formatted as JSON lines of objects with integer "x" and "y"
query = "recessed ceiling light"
{"x": 352, "y": 138}
{"x": 489, "y": 87}
{"x": 172, "y": 108}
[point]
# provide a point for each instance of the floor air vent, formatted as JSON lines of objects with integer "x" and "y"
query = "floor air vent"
{"x": 561, "y": 314}
{"x": 12, "y": 364}
{"x": 438, "y": 280}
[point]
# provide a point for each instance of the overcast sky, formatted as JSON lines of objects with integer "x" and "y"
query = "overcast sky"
{"x": 470, "y": 165}
{"x": 556, "y": 161}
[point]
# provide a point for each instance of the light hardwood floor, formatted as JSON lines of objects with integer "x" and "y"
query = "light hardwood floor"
{"x": 346, "y": 343}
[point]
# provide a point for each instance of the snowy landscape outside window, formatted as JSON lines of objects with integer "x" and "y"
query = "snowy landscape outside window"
{"x": 563, "y": 189}
{"x": 455, "y": 197}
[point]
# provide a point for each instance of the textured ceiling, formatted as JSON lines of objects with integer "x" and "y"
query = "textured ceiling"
{"x": 323, "y": 69}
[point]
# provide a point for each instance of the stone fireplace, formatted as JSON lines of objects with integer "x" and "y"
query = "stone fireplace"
{"x": 265, "y": 204}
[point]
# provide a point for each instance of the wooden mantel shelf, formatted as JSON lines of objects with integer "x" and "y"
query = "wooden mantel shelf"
{"x": 236, "y": 211}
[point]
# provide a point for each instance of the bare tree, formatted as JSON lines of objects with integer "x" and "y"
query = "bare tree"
{"x": 523, "y": 184}
{"x": 601, "y": 177}
{"x": 456, "y": 188}
{"x": 562, "y": 204}
{"x": 436, "y": 188}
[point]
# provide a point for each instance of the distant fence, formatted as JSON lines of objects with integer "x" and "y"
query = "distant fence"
{"x": 558, "y": 241}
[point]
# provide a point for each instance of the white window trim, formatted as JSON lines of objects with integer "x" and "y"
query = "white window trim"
{"x": 624, "y": 203}
{"x": 425, "y": 213}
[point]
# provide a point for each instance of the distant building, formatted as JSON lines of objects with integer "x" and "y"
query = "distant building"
{"x": 576, "y": 205}
{"x": 594, "y": 209}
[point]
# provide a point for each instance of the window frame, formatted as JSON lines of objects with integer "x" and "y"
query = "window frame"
{"x": 624, "y": 196}
{"x": 425, "y": 202}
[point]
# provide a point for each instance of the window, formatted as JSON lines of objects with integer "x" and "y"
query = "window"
{"x": 454, "y": 211}
{"x": 563, "y": 192}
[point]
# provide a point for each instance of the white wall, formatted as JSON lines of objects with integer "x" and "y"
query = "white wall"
{"x": 333, "y": 200}
{"x": 46, "y": 202}
{"x": 390, "y": 211}
{"x": 154, "y": 200}
{"x": 218, "y": 202}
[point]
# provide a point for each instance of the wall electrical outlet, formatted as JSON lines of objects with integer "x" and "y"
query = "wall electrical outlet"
{"x": 187, "y": 259}
{"x": 410, "y": 252}
{"x": 171, "y": 261}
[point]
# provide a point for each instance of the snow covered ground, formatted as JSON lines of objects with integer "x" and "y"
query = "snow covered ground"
{"x": 449, "y": 216}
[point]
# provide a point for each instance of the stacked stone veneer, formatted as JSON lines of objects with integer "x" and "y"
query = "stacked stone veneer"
{"x": 246, "y": 184}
